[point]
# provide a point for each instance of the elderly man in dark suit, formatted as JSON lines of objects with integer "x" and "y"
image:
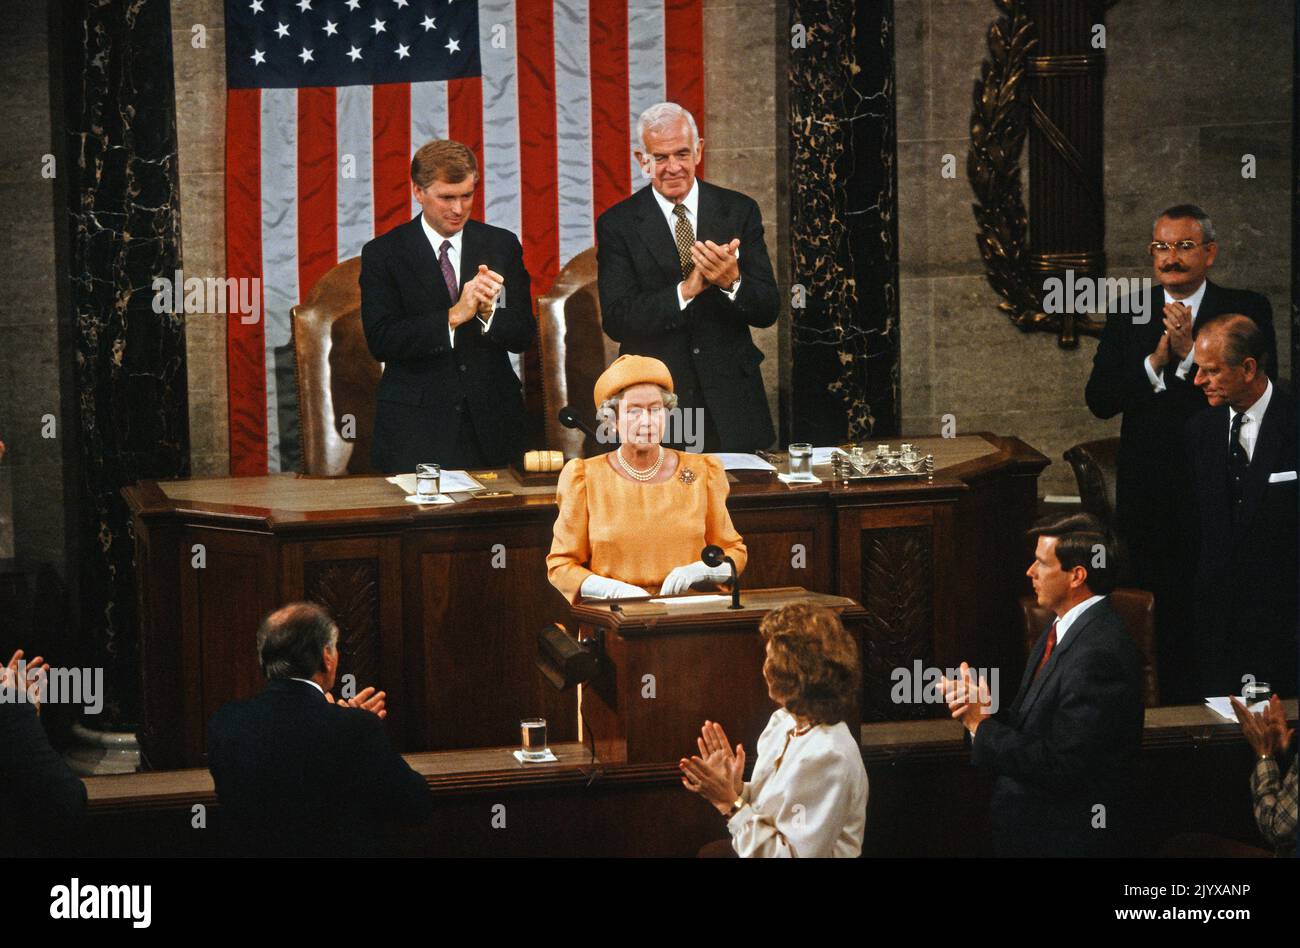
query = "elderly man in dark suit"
{"x": 1061, "y": 755}
{"x": 1144, "y": 367}
{"x": 1242, "y": 452}
{"x": 444, "y": 300}
{"x": 683, "y": 274}
{"x": 297, "y": 772}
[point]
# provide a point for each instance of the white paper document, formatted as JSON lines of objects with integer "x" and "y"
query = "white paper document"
{"x": 791, "y": 479}
{"x": 824, "y": 455}
{"x": 743, "y": 462}
{"x": 1223, "y": 707}
{"x": 452, "y": 482}
{"x": 691, "y": 600}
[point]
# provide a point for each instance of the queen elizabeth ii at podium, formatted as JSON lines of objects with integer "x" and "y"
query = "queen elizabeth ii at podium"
{"x": 633, "y": 521}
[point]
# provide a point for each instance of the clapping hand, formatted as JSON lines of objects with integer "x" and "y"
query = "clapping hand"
{"x": 366, "y": 700}
{"x": 30, "y": 677}
{"x": 718, "y": 774}
{"x": 1267, "y": 732}
{"x": 719, "y": 264}
{"x": 968, "y": 700}
{"x": 477, "y": 297}
{"x": 1178, "y": 328}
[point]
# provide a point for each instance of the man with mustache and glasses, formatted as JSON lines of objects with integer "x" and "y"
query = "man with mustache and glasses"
{"x": 1145, "y": 368}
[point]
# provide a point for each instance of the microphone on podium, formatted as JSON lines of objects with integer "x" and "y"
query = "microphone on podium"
{"x": 569, "y": 418}
{"x": 712, "y": 555}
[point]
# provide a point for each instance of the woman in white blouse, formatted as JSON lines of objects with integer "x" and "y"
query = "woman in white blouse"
{"x": 808, "y": 793}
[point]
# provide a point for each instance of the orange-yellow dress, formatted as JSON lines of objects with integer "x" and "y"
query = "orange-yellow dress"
{"x": 634, "y": 532}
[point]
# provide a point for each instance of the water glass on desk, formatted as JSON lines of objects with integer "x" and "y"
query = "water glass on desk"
{"x": 532, "y": 732}
{"x": 1254, "y": 692}
{"x": 428, "y": 481}
{"x": 801, "y": 461}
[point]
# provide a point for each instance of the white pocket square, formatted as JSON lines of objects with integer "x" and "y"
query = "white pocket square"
{"x": 1278, "y": 477}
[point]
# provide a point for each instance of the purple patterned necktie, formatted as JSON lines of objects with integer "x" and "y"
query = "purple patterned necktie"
{"x": 448, "y": 273}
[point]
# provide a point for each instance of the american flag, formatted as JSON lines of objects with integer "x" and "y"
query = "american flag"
{"x": 328, "y": 99}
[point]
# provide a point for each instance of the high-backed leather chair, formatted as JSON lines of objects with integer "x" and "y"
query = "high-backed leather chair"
{"x": 1094, "y": 464}
{"x": 574, "y": 350}
{"x": 337, "y": 376}
{"x": 1135, "y": 606}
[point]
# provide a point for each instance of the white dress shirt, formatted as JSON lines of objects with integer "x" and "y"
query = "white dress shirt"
{"x": 453, "y": 254}
{"x": 1250, "y": 426}
{"x": 310, "y": 682}
{"x": 1063, "y": 624}
{"x": 1193, "y": 303}
{"x": 814, "y": 805}
{"x": 692, "y": 203}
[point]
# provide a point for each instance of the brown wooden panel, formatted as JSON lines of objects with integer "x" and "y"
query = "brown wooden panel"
{"x": 771, "y": 536}
{"x": 223, "y": 603}
{"x": 475, "y": 626}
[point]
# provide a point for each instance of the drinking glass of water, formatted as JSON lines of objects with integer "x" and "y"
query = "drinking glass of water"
{"x": 1255, "y": 692}
{"x": 428, "y": 481}
{"x": 533, "y": 739}
{"x": 801, "y": 461}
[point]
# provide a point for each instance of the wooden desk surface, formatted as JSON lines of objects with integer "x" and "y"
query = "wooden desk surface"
{"x": 468, "y": 769}
{"x": 289, "y": 498}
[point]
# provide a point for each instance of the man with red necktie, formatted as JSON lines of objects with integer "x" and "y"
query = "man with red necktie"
{"x": 444, "y": 300}
{"x": 1061, "y": 753}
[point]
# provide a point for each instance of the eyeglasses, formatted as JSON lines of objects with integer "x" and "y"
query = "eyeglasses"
{"x": 1182, "y": 246}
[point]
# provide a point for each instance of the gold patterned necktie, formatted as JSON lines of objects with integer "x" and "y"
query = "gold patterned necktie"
{"x": 685, "y": 240}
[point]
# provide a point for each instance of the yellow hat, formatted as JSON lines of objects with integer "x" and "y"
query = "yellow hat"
{"x": 629, "y": 370}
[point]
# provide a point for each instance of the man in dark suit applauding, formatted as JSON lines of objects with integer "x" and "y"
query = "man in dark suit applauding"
{"x": 1242, "y": 452}
{"x": 444, "y": 300}
{"x": 1061, "y": 754}
{"x": 297, "y": 772}
{"x": 1144, "y": 367}
{"x": 683, "y": 274}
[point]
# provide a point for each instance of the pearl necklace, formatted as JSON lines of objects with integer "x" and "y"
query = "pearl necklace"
{"x": 648, "y": 474}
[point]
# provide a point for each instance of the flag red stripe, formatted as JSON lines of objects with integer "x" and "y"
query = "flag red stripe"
{"x": 610, "y": 133}
{"x": 318, "y": 169}
{"x": 391, "y": 118}
{"x": 684, "y": 58}
{"x": 245, "y": 342}
{"x": 465, "y": 125}
{"x": 538, "y": 164}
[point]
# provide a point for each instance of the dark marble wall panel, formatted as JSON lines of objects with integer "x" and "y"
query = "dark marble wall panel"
{"x": 1295, "y": 198}
{"x": 843, "y": 230}
{"x": 130, "y": 381}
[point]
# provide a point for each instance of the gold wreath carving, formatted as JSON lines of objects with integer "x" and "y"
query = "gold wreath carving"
{"x": 999, "y": 121}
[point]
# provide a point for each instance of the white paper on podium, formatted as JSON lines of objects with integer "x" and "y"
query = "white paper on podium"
{"x": 743, "y": 462}
{"x": 691, "y": 600}
{"x": 452, "y": 482}
{"x": 824, "y": 455}
{"x": 1223, "y": 707}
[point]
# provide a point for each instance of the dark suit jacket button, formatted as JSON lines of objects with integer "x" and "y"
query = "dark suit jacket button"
{"x": 462, "y": 368}
{"x": 696, "y": 351}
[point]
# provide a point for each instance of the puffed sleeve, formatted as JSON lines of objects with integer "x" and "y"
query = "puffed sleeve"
{"x": 718, "y": 528}
{"x": 816, "y": 809}
{"x": 566, "y": 564}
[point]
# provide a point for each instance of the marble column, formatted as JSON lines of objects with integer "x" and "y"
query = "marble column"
{"x": 843, "y": 221}
{"x": 129, "y": 381}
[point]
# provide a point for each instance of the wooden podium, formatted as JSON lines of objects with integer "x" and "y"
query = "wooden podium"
{"x": 669, "y": 666}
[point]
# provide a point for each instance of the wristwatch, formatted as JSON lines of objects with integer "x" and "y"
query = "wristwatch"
{"x": 735, "y": 286}
{"x": 736, "y": 806}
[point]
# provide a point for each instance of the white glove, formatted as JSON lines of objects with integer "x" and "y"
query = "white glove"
{"x": 602, "y": 587}
{"x": 682, "y": 578}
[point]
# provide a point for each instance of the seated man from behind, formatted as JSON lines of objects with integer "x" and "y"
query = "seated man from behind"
{"x": 298, "y": 773}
